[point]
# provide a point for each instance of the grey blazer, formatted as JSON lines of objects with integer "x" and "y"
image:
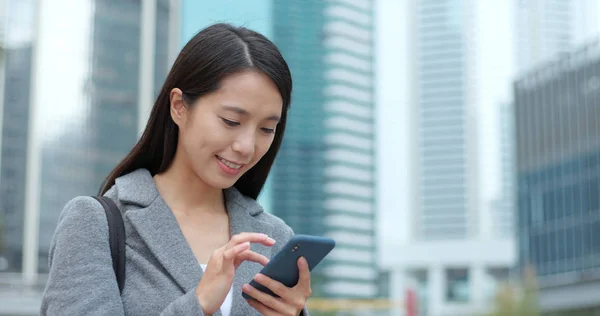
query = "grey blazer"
{"x": 161, "y": 269}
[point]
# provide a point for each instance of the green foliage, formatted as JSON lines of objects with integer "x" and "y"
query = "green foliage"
{"x": 519, "y": 299}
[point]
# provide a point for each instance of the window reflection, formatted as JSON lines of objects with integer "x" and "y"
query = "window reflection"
{"x": 457, "y": 285}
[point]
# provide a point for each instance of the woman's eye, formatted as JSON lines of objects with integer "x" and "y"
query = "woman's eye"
{"x": 268, "y": 130}
{"x": 230, "y": 123}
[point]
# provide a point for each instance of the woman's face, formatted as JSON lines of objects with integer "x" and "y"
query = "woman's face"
{"x": 225, "y": 133}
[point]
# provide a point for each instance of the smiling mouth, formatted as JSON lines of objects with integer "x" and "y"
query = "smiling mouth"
{"x": 229, "y": 164}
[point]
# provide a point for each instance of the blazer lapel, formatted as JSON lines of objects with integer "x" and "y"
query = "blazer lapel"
{"x": 159, "y": 229}
{"x": 157, "y": 226}
{"x": 241, "y": 219}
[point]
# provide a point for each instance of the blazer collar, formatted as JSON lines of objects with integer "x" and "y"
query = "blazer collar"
{"x": 158, "y": 227}
{"x": 138, "y": 188}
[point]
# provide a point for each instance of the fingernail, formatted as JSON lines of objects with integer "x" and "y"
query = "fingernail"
{"x": 271, "y": 239}
{"x": 303, "y": 261}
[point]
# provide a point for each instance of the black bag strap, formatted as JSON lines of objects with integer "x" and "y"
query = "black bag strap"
{"x": 116, "y": 234}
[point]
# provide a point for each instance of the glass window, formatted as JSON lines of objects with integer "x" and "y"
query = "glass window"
{"x": 594, "y": 204}
{"x": 560, "y": 203}
{"x": 553, "y": 248}
{"x": 577, "y": 204}
{"x": 586, "y": 242}
{"x": 17, "y": 63}
{"x": 585, "y": 198}
{"x": 457, "y": 285}
{"x": 534, "y": 250}
{"x": 548, "y": 205}
{"x": 561, "y": 245}
{"x": 568, "y": 193}
{"x": 595, "y": 240}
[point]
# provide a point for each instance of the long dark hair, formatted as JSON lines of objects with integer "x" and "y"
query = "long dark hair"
{"x": 215, "y": 52}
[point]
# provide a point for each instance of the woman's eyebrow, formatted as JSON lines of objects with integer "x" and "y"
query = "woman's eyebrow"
{"x": 241, "y": 111}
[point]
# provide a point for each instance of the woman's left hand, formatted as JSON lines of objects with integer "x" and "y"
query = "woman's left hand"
{"x": 291, "y": 301}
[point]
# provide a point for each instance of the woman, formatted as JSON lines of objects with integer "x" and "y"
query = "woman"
{"x": 195, "y": 235}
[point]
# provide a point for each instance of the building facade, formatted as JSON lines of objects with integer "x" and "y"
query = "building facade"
{"x": 461, "y": 205}
{"x": 324, "y": 177}
{"x": 457, "y": 251}
{"x": 72, "y": 104}
{"x": 558, "y": 165}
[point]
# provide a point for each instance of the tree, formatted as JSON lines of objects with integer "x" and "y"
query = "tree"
{"x": 518, "y": 299}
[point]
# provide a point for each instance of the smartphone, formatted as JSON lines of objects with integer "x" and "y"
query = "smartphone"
{"x": 284, "y": 266}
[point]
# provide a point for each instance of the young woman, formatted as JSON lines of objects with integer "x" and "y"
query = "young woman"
{"x": 195, "y": 235}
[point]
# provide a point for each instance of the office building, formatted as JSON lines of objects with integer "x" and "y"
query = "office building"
{"x": 558, "y": 174}
{"x": 76, "y": 93}
{"x": 16, "y": 84}
{"x": 323, "y": 181}
{"x": 503, "y": 209}
{"x": 462, "y": 197}
{"x": 456, "y": 251}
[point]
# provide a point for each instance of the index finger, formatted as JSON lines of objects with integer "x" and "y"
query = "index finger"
{"x": 250, "y": 237}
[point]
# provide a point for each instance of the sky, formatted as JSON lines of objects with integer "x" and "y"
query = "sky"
{"x": 392, "y": 124}
{"x": 68, "y": 61}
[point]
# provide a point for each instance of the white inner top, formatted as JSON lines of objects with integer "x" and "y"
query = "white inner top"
{"x": 226, "y": 307}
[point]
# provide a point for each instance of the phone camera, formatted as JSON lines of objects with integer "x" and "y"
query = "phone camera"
{"x": 295, "y": 247}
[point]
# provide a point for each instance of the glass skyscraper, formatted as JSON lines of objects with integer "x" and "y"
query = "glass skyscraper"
{"x": 446, "y": 133}
{"x": 557, "y": 111}
{"x": 78, "y": 159}
{"x": 70, "y": 111}
{"x": 458, "y": 246}
{"x": 16, "y": 67}
{"x": 13, "y": 148}
{"x": 323, "y": 180}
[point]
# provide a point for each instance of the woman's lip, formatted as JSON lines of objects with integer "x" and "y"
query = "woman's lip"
{"x": 228, "y": 170}
{"x": 233, "y": 162}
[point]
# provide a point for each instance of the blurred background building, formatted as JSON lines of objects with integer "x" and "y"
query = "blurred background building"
{"x": 70, "y": 112}
{"x": 463, "y": 56}
{"x": 557, "y": 113}
{"x": 460, "y": 235}
{"x": 558, "y": 170}
{"x": 323, "y": 182}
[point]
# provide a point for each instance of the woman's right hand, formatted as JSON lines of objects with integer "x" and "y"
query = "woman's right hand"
{"x": 220, "y": 269}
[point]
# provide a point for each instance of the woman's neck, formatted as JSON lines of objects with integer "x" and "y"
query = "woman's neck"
{"x": 185, "y": 192}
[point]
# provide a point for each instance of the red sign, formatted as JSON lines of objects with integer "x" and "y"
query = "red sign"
{"x": 411, "y": 303}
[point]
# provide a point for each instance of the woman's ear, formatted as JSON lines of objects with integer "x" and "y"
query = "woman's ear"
{"x": 178, "y": 108}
